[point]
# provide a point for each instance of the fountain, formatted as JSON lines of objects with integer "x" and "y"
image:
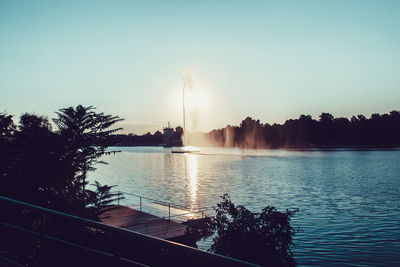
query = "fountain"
{"x": 188, "y": 85}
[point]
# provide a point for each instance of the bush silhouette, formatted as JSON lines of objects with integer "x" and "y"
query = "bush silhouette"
{"x": 263, "y": 238}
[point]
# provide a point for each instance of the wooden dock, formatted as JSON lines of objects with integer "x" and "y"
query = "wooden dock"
{"x": 134, "y": 220}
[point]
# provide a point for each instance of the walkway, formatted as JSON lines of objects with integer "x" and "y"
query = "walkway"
{"x": 131, "y": 219}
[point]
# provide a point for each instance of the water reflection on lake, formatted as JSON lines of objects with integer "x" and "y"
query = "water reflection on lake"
{"x": 191, "y": 169}
{"x": 349, "y": 201}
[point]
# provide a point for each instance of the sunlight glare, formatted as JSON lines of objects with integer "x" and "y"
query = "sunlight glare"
{"x": 191, "y": 175}
{"x": 197, "y": 99}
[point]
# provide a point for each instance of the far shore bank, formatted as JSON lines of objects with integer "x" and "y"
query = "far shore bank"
{"x": 296, "y": 148}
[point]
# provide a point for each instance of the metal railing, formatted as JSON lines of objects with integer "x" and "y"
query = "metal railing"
{"x": 148, "y": 222}
{"x": 61, "y": 237}
{"x": 176, "y": 213}
{"x": 175, "y": 207}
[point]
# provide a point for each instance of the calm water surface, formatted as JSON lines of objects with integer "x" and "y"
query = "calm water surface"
{"x": 349, "y": 201}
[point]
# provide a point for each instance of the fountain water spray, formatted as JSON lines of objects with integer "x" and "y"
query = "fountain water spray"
{"x": 188, "y": 85}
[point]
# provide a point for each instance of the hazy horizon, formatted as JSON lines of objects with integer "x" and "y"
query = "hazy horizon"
{"x": 269, "y": 60}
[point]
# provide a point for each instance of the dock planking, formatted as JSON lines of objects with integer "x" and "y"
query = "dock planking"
{"x": 134, "y": 220}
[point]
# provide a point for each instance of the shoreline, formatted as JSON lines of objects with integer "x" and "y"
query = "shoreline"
{"x": 293, "y": 148}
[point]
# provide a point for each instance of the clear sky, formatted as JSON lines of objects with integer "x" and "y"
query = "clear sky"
{"x": 271, "y": 60}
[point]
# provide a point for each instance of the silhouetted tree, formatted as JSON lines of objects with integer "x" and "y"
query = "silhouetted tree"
{"x": 47, "y": 168}
{"x": 263, "y": 238}
{"x": 250, "y": 134}
{"x": 379, "y": 130}
{"x": 31, "y": 165}
{"x": 100, "y": 200}
{"x": 7, "y": 128}
{"x": 86, "y": 136}
{"x": 7, "y": 154}
{"x": 326, "y": 118}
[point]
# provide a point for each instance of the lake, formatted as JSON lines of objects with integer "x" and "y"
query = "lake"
{"x": 349, "y": 201}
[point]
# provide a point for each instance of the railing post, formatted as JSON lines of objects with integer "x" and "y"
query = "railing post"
{"x": 140, "y": 198}
{"x": 202, "y": 214}
{"x": 169, "y": 211}
{"x": 119, "y": 193}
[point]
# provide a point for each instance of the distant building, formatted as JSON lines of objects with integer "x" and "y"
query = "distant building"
{"x": 168, "y": 132}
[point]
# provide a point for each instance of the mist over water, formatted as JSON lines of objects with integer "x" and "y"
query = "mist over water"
{"x": 380, "y": 130}
{"x": 250, "y": 136}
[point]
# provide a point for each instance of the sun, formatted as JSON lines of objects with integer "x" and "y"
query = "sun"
{"x": 197, "y": 99}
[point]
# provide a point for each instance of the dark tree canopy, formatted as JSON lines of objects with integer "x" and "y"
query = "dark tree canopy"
{"x": 148, "y": 139}
{"x": 49, "y": 168}
{"x": 100, "y": 200}
{"x": 380, "y": 130}
{"x": 86, "y": 135}
{"x": 7, "y": 128}
{"x": 264, "y": 238}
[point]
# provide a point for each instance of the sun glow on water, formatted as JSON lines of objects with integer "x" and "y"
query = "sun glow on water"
{"x": 191, "y": 171}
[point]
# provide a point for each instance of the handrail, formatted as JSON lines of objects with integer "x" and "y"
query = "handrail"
{"x": 160, "y": 202}
{"x": 156, "y": 242}
{"x": 130, "y": 194}
{"x": 96, "y": 251}
{"x": 148, "y": 221}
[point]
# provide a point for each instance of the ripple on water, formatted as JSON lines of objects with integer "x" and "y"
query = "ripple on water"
{"x": 349, "y": 200}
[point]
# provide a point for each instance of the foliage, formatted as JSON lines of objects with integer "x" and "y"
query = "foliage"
{"x": 49, "y": 168}
{"x": 7, "y": 127}
{"x": 380, "y": 130}
{"x": 31, "y": 168}
{"x": 86, "y": 135}
{"x": 264, "y": 238}
{"x": 100, "y": 200}
{"x": 198, "y": 228}
{"x": 148, "y": 139}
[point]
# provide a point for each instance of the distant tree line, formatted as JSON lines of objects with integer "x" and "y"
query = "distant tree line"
{"x": 131, "y": 139}
{"x": 147, "y": 139}
{"x": 380, "y": 130}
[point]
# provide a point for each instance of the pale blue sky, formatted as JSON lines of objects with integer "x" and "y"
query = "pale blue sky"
{"x": 271, "y": 60}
